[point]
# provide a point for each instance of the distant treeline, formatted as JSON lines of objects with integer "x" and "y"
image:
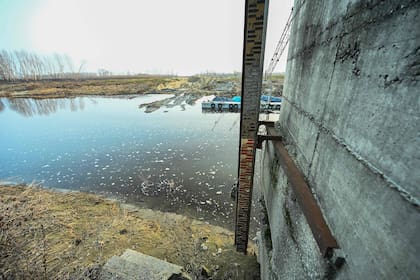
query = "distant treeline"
{"x": 30, "y": 66}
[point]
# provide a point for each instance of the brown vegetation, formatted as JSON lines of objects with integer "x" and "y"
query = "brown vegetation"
{"x": 103, "y": 86}
{"x": 50, "y": 235}
{"x": 226, "y": 85}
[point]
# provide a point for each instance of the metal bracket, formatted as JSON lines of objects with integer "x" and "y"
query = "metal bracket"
{"x": 262, "y": 138}
{"x": 271, "y": 135}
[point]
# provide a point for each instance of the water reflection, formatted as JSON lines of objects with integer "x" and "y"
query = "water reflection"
{"x": 175, "y": 159}
{"x": 31, "y": 107}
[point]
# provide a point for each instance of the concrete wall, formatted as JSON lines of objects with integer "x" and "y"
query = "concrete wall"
{"x": 351, "y": 119}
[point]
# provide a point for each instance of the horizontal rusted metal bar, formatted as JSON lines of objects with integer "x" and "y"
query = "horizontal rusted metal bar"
{"x": 307, "y": 202}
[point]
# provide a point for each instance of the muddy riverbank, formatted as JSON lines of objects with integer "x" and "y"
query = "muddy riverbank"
{"x": 68, "y": 235}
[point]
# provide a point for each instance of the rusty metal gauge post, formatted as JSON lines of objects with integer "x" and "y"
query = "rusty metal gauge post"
{"x": 252, "y": 73}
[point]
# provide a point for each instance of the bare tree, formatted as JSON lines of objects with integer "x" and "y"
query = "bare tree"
{"x": 60, "y": 65}
{"x": 22, "y": 62}
{"x": 37, "y": 67}
{"x": 80, "y": 68}
{"x": 69, "y": 65}
{"x": 3, "y": 67}
{"x": 7, "y": 66}
{"x": 48, "y": 67}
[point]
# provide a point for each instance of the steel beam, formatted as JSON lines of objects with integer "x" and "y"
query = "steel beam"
{"x": 307, "y": 202}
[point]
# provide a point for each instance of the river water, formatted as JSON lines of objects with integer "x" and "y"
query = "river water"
{"x": 175, "y": 159}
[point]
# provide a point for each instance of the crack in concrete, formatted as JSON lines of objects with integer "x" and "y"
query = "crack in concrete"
{"x": 337, "y": 58}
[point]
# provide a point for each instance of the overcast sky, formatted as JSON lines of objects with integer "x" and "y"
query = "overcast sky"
{"x": 182, "y": 37}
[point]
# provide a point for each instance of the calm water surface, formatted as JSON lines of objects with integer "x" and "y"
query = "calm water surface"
{"x": 174, "y": 159}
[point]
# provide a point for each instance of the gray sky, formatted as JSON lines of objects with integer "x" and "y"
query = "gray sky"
{"x": 156, "y": 36}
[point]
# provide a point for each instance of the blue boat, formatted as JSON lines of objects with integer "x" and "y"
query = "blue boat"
{"x": 220, "y": 103}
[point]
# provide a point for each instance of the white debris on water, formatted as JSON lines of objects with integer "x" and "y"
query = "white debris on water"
{"x": 140, "y": 167}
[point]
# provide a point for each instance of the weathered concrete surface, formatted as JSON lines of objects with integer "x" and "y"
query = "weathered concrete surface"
{"x": 137, "y": 266}
{"x": 287, "y": 249}
{"x": 351, "y": 119}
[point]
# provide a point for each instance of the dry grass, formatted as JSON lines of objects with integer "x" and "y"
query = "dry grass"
{"x": 200, "y": 85}
{"x": 51, "y": 235}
